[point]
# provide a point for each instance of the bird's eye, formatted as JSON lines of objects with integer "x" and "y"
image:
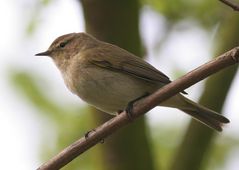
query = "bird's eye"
{"x": 62, "y": 44}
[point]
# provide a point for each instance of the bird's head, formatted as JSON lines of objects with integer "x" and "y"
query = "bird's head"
{"x": 67, "y": 46}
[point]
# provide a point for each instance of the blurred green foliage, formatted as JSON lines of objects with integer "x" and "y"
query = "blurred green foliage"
{"x": 166, "y": 141}
{"x": 204, "y": 12}
{"x": 34, "y": 19}
{"x": 68, "y": 122}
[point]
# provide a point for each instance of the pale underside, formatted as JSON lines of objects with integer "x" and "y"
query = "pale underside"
{"x": 111, "y": 91}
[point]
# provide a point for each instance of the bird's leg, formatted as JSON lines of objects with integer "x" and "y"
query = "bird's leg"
{"x": 130, "y": 105}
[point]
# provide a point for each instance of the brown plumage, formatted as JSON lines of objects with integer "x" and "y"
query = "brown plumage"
{"x": 109, "y": 77}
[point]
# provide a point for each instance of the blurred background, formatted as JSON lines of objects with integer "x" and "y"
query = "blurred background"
{"x": 39, "y": 116}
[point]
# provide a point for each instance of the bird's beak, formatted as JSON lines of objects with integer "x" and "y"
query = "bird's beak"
{"x": 46, "y": 53}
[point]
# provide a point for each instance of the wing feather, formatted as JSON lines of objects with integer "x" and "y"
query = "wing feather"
{"x": 123, "y": 61}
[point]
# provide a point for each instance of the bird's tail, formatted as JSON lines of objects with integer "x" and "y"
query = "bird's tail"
{"x": 208, "y": 117}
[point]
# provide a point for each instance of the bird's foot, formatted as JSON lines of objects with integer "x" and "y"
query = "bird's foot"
{"x": 129, "y": 108}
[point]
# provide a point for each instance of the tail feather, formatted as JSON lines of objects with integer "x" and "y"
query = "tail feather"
{"x": 212, "y": 120}
{"x": 209, "y": 117}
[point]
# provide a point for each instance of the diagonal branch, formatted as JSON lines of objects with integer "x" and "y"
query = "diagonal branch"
{"x": 230, "y": 4}
{"x": 80, "y": 146}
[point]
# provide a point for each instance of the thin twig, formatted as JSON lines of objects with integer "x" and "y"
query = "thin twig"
{"x": 230, "y": 4}
{"x": 71, "y": 152}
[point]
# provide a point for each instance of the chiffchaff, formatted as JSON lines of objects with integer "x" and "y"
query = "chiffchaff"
{"x": 109, "y": 77}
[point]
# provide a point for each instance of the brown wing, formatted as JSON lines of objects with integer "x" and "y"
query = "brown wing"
{"x": 117, "y": 59}
{"x": 135, "y": 68}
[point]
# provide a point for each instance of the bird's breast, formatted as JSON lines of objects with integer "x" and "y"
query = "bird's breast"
{"x": 107, "y": 90}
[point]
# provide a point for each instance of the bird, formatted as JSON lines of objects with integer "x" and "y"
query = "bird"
{"x": 111, "y": 78}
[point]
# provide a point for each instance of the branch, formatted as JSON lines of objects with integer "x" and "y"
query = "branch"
{"x": 230, "y": 4}
{"x": 80, "y": 146}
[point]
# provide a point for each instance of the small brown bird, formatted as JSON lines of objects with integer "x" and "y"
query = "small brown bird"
{"x": 109, "y": 77}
